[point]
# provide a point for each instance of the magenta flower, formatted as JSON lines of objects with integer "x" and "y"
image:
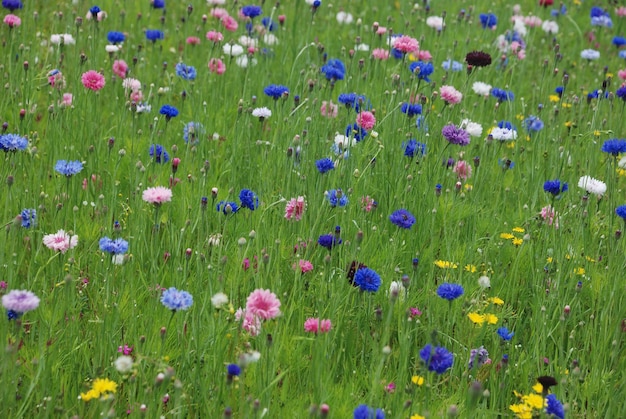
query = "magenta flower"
{"x": 263, "y": 304}
{"x": 314, "y": 325}
{"x": 60, "y": 241}
{"x": 93, "y": 80}
{"x": 120, "y": 68}
{"x": 295, "y": 208}
{"x": 366, "y": 120}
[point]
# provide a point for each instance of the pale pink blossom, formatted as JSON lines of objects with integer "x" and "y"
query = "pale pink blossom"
{"x": 219, "y": 13}
{"x": 93, "y": 80}
{"x": 217, "y": 66}
{"x": 303, "y": 266}
{"x": 314, "y": 325}
{"x": 295, "y": 208}
{"x": 329, "y": 109}
{"x": 462, "y": 169}
{"x": 249, "y": 322}
{"x": 12, "y": 21}
{"x": 405, "y": 44}
{"x": 380, "y": 54}
{"x": 120, "y": 68}
{"x": 381, "y": 31}
{"x": 136, "y": 96}
{"x": 214, "y": 36}
{"x": 100, "y": 16}
{"x": 450, "y": 94}
{"x": 193, "y": 40}
{"x": 56, "y": 79}
{"x": 263, "y": 304}
{"x": 366, "y": 120}
{"x": 620, "y": 11}
{"x": 550, "y": 216}
{"x": 424, "y": 55}
{"x": 533, "y": 21}
{"x": 132, "y": 84}
{"x": 229, "y": 23}
{"x": 67, "y": 100}
{"x": 367, "y": 203}
{"x": 60, "y": 241}
{"x": 157, "y": 195}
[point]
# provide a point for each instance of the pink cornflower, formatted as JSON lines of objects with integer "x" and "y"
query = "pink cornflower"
{"x": 424, "y": 55}
{"x": 60, "y": 241}
{"x": 314, "y": 325}
{"x": 263, "y": 304}
{"x": 67, "y": 99}
{"x": 12, "y": 21}
{"x": 532, "y": 21}
{"x": 450, "y": 94}
{"x": 120, "y": 68}
{"x": 414, "y": 312}
{"x": 381, "y": 30}
{"x": 229, "y": 23}
{"x": 219, "y": 13}
{"x": 214, "y": 36}
{"x": 157, "y": 195}
{"x": 132, "y": 84}
{"x": 367, "y": 203}
{"x": 622, "y": 74}
{"x": 217, "y": 66}
{"x": 193, "y": 40}
{"x": 462, "y": 169}
{"x": 126, "y": 350}
{"x": 329, "y": 109}
{"x": 621, "y": 11}
{"x": 93, "y": 80}
{"x": 303, "y": 265}
{"x": 295, "y": 208}
{"x": 405, "y": 44}
{"x": 380, "y": 54}
{"x": 249, "y": 322}
{"x": 366, "y": 120}
{"x": 549, "y": 216}
{"x": 56, "y": 79}
{"x": 136, "y": 96}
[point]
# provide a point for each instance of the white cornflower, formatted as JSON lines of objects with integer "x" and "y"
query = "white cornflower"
{"x": 481, "y": 88}
{"x": 592, "y": 186}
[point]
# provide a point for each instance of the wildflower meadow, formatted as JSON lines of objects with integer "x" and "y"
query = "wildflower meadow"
{"x": 324, "y": 209}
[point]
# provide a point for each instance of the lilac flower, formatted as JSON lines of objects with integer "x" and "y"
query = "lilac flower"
{"x": 18, "y": 302}
{"x": 478, "y": 356}
{"x": 455, "y": 135}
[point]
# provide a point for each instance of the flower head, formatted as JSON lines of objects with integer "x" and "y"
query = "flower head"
{"x": 438, "y": 359}
{"x": 478, "y": 357}
{"x": 413, "y": 148}
{"x": 334, "y": 69}
{"x": 294, "y": 209}
{"x": 227, "y": 207}
{"x": 455, "y": 135}
{"x": 336, "y": 197}
{"x": 555, "y": 187}
{"x": 263, "y": 304}
{"x": 405, "y": 44}
{"x": 68, "y": 168}
{"x": 276, "y": 91}
{"x": 157, "y": 195}
{"x": 248, "y": 199}
{"x": 60, "y": 241}
{"x": 154, "y": 35}
{"x": 621, "y": 211}
{"x": 20, "y": 301}
{"x": 324, "y": 165}
{"x": 261, "y": 113}
{"x": 363, "y": 411}
{"x": 12, "y": 21}
{"x": 367, "y": 279}
{"x": 505, "y": 334}
{"x": 176, "y": 300}
{"x": 422, "y": 69}
{"x": 93, "y": 80}
{"x": 554, "y": 407}
{"x": 402, "y": 218}
{"x": 502, "y": 95}
{"x": 329, "y": 241}
{"x": 28, "y": 217}
{"x": 13, "y": 142}
{"x": 614, "y": 146}
{"x": 12, "y": 5}
{"x": 114, "y": 246}
{"x": 251, "y": 11}
{"x": 366, "y": 120}
{"x": 115, "y": 37}
{"x": 592, "y": 186}
{"x": 186, "y": 72}
{"x": 488, "y": 20}
{"x": 411, "y": 109}
{"x": 315, "y": 325}
{"x": 450, "y": 95}
{"x": 449, "y": 291}
{"x": 159, "y": 155}
{"x": 168, "y": 111}
{"x": 478, "y": 59}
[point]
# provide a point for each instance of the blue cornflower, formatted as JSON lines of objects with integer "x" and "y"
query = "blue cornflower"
{"x": 248, "y": 199}
{"x": 227, "y": 207}
{"x": 422, "y": 69}
{"x": 13, "y": 142}
{"x": 621, "y": 211}
{"x": 421, "y": 123}
{"x": 276, "y": 91}
{"x": 367, "y": 279}
{"x": 336, "y": 197}
{"x": 324, "y": 165}
{"x": 329, "y": 241}
{"x": 603, "y": 21}
{"x": 596, "y": 94}
{"x": 28, "y": 217}
{"x": 356, "y": 132}
{"x": 68, "y": 167}
{"x": 505, "y": 334}
{"x": 614, "y": 146}
{"x": 186, "y": 72}
{"x": 116, "y": 37}
{"x": 192, "y": 132}
{"x": 507, "y": 125}
{"x": 597, "y": 12}
{"x": 452, "y": 65}
{"x": 621, "y": 93}
{"x": 268, "y": 23}
{"x": 438, "y": 359}
{"x": 114, "y": 246}
{"x": 169, "y": 112}
{"x": 449, "y": 291}
{"x": 94, "y": 10}
{"x": 559, "y": 90}
{"x": 554, "y": 407}
{"x": 622, "y": 54}
{"x": 488, "y": 20}
{"x": 414, "y": 148}
{"x": 619, "y": 41}
{"x": 411, "y": 109}
{"x": 554, "y": 187}
{"x": 402, "y": 218}
{"x": 502, "y": 95}
{"x": 176, "y": 300}
{"x": 352, "y": 100}
{"x": 533, "y": 124}
{"x": 334, "y": 69}
{"x": 251, "y": 11}
{"x": 363, "y": 411}
{"x": 12, "y": 4}
{"x": 159, "y": 154}
{"x": 158, "y": 4}
{"x": 233, "y": 370}
{"x": 154, "y": 35}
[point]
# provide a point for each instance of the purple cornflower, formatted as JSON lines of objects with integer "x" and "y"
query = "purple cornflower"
{"x": 455, "y": 135}
{"x": 478, "y": 356}
{"x": 18, "y": 302}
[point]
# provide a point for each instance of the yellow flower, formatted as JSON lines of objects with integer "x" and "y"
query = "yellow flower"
{"x": 470, "y": 268}
{"x": 566, "y": 105}
{"x": 476, "y": 318}
{"x": 590, "y": 259}
{"x": 517, "y": 241}
{"x": 518, "y": 229}
{"x": 536, "y": 401}
{"x": 554, "y": 98}
{"x": 549, "y": 259}
{"x": 520, "y": 117}
{"x": 596, "y": 133}
{"x": 522, "y": 411}
{"x": 569, "y": 124}
{"x": 468, "y": 187}
{"x": 579, "y": 271}
{"x": 417, "y": 380}
{"x": 507, "y": 236}
{"x": 444, "y": 264}
{"x": 91, "y": 394}
{"x": 621, "y": 172}
{"x": 496, "y": 300}
{"x": 491, "y": 318}
{"x": 510, "y": 144}
{"x": 103, "y": 385}
{"x": 416, "y": 416}
{"x": 538, "y": 388}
